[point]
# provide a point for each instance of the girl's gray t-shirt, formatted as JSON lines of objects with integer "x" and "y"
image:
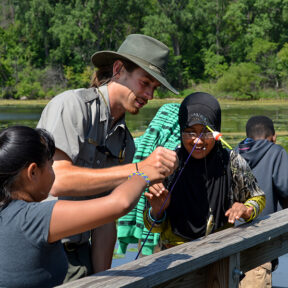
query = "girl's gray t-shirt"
{"x": 26, "y": 257}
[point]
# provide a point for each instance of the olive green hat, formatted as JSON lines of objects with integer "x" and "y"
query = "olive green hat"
{"x": 146, "y": 52}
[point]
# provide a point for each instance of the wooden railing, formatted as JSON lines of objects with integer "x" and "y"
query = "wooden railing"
{"x": 214, "y": 261}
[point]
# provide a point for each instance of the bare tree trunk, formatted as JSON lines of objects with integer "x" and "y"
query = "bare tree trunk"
{"x": 176, "y": 48}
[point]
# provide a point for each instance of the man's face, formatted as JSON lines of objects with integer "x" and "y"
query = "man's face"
{"x": 137, "y": 88}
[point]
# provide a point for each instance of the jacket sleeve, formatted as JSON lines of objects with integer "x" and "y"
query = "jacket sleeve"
{"x": 244, "y": 185}
{"x": 148, "y": 222}
{"x": 279, "y": 176}
{"x": 258, "y": 204}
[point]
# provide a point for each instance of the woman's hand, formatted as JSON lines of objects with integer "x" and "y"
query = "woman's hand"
{"x": 157, "y": 197}
{"x": 237, "y": 211}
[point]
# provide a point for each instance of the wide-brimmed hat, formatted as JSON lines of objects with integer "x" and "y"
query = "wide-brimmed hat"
{"x": 146, "y": 52}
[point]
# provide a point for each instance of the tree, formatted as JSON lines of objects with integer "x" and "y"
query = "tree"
{"x": 215, "y": 64}
{"x": 244, "y": 79}
{"x": 169, "y": 22}
{"x": 263, "y": 53}
{"x": 282, "y": 60}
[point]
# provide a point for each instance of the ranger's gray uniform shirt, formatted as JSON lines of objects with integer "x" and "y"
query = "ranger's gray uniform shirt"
{"x": 80, "y": 121}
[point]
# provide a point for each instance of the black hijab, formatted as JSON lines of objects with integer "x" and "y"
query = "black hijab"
{"x": 204, "y": 183}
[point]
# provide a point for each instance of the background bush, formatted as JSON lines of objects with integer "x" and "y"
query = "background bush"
{"x": 238, "y": 47}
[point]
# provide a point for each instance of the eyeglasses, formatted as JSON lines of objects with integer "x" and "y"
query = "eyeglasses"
{"x": 193, "y": 135}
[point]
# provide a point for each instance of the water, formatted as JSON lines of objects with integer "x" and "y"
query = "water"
{"x": 279, "y": 276}
{"x": 234, "y": 119}
{"x": 130, "y": 255}
{"x": 14, "y": 115}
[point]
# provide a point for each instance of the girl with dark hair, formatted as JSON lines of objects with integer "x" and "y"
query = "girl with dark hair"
{"x": 31, "y": 254}
{"x": 216, "y": 187}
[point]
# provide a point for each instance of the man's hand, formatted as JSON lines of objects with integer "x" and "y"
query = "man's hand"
{"x": 165, "y": 160}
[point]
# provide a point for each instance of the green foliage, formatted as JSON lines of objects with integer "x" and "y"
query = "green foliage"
{"x": 282, "y": 57}
{"x": 215, "y": 64}
{"x": 6, "y": 72}
{"x": 34, "y": 16}
{"x": 46, "y": 45}
{"x": 12, "y": 60}
{"x": 168, "y": 23}
{"x": 260, "y": 50}
{"x": 27, "y": 90}
{"x": 71, "y": 32}
{"x": 243, "y": 79}
{"x": 78, "y": 79}
{"x": 272, "y": 94}
{"x": 29, "y": 85}
{"x": 263, "y": 53}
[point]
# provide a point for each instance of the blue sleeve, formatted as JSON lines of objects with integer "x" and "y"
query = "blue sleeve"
{"x": 36, "y": 222}
{"x": 280, "y": 174}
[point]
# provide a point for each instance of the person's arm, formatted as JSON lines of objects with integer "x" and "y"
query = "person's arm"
{"x": 73, "y": 217}
{"x": 158, "y": 226}
{"x": 72, "y": 180}
{"x": 248, "y": 210}
{"x": 249, "y": 199}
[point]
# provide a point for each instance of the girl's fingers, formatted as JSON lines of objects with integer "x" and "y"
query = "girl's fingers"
{"x": 157, "y": 189}
{"x": 227, "y": 212}
{"x": 153, "y": 191}
{"x": 149, "y": 196}
{"x": 237, "y": 211}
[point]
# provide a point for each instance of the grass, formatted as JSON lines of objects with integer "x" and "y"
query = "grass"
{"x": 10, "y": 102}
{"x": 224, "y": 102}
{"x": 159, "y": 102}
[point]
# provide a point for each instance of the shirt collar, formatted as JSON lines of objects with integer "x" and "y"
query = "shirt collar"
{"x": 105, "y": 108}
{"x": 104, "y": 103}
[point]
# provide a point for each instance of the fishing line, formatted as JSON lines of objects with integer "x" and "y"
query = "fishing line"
{"x": 178, "y": 176}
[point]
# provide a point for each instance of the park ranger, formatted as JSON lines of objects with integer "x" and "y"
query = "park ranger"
{"x": 90, "y": 132}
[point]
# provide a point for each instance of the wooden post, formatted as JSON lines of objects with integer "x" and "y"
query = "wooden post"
{"x": 218, "y": 274}
{"x": 224, "y": 273}
{"x": 234, "y": 270}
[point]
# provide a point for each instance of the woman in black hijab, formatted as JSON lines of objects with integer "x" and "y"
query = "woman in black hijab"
{"x": 215, "y": 186}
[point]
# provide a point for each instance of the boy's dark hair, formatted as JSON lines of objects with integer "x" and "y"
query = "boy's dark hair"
{"x": 259, "y": 127}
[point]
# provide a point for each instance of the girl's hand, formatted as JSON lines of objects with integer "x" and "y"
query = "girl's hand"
{"x": 157, "y": 197}
{"x": 237, "y": 211}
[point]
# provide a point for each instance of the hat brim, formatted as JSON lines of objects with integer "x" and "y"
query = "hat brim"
{"x": 195, "y": 122}
{"x": 103, "y": 58}
{"x": 197, "y": 118}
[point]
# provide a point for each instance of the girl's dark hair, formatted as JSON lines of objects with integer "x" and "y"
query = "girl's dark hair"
{"x": 19, "y": 147}
{"x": 104, "y": 74}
